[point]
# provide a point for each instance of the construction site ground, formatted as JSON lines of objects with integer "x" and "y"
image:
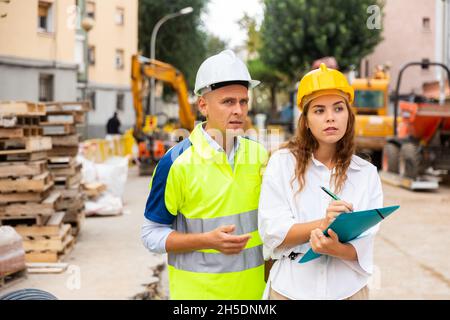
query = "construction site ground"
{"x": 110, "y": 262}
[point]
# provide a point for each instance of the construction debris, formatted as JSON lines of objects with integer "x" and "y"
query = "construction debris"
{"x": 93, "y": 190}
{"x": 153, "y": 290}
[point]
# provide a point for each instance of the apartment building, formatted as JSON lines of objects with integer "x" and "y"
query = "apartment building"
{"x": 46, "y": 55}
{"x": 414, "y": 30}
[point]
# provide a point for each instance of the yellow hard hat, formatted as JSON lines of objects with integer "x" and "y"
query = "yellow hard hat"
{"x": 323, "y": 81}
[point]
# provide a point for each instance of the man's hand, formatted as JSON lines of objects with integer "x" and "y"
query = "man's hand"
{"x": 335, "y": 208}
{"x": 223, "y": 240}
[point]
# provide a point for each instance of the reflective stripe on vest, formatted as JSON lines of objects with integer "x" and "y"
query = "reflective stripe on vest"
{"x": 197, "y": 261}
{"x": 217, "y": 262}
{"x": 245, "y": 223}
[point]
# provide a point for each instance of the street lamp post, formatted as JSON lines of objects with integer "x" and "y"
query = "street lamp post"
{"x": 87, "y": 24}
{"x": 182, "y": 12}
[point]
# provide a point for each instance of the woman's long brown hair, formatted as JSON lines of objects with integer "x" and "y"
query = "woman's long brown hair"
{"x": 303, "y": 144}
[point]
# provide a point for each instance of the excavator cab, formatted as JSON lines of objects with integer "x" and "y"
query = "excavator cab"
{"x": 150, "y": 131}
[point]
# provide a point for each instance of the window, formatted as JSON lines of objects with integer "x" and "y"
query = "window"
{"x": 120, "y": 16}
{"x": 372, "y": 99}
{"x": 91, "y": 55}
{"x": 120, "y": 102}
{"x": 46, "y": 87}
{"x": 45, "y": 16}
{"x": 119, "y": 59}
{"x": 90, "y": 9}
{"x": 426, "y": 25}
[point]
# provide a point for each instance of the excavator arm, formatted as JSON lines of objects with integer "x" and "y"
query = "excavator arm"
{"x": 143, "y": 68}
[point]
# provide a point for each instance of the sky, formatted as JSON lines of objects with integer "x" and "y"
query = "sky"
{"x": 221, "y": 18}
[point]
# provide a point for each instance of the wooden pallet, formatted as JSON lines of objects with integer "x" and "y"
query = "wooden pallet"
{"x": 37, "y": 219}
{"x": 63, "y": 151}
{"x": 81, "y": 106}
{"x": 49, "y": 255}
{"x": 33, "y": 156}
{"x": 48, "y": 242}
{"x": 14, "y": 121}
{"x": 19, "y": 169}
{"x": 93, "y": 190}
{"x": 8, "y": 108}
{"x": 12, "y": 133}
{"x": 71, "y": 192}
{"x": 76, "y": 220}
{"x": 72, "y": 117}
{"x": 58, "y": 119}
{"x": 65, "y": 171}
{"x": 12, "y": 278}
{"x": 51, "y": 228}
{"x": 68, "y": 181}
{"x": 25, "y": 145}
{"x": 72, "y": 204}
{"x": 80, "y": 117}
{"x": 39, "y": 183}
{"x": 61, "y": 161}
{"x": 66, "y": 141}
{"x": 58, "y": 129}
{"x": 46, "y": 267}
{"x": 14, "y": 197}
{"x": 28, "y": 209}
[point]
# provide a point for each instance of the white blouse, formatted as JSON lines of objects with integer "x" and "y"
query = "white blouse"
{"x": 280, "y": 207}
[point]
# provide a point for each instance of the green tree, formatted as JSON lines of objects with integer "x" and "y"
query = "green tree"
{"x": 214, "y": 45}
{"x": 180, "y": 41}
{"x": 253, "y": 41}
{"x": 271, "y": 79}
{"x": 297, "y": 32}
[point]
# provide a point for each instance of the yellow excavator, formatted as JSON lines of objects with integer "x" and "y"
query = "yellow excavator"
{"x": 153, "y": 141}
{"x": 373, "y": 125}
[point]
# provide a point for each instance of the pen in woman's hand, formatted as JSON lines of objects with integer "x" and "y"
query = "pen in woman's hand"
{"x": 331, "y": 194}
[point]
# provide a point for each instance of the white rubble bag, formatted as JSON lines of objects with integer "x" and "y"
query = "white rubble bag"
{"x": 105, "y": 205}
{"x": 113, "y": 173}
{"x": 12, "y": 254}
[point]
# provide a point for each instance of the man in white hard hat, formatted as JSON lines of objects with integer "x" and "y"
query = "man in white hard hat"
{"x": 203, "y": 201}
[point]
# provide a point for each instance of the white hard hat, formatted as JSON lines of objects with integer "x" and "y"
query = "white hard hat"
{"x": 222, "y": 67}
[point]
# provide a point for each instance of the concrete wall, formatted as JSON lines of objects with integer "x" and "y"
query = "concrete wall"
{"x": 19, "y": 79}
{"x": 105, "y": 106}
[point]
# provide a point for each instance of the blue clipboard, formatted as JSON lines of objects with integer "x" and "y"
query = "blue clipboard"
{"x": 349, "y": 226}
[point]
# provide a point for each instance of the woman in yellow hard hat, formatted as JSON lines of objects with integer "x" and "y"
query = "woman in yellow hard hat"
{"x": 294, "y": 211}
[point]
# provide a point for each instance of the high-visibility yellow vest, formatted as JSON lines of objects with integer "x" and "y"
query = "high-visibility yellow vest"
{"x": 195, "y": 189}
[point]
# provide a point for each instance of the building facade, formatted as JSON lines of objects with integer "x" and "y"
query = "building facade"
{"x": 46, "y": 55}
{"x": 414, "y": 30}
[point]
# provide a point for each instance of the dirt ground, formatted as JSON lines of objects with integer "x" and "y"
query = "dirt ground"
{"x": 109, "y": 261}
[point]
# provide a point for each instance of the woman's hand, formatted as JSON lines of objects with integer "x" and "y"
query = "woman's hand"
{"x": 335, "y": 208}
{"x": 331, "y": 246}
{"x": 323, "y": 244}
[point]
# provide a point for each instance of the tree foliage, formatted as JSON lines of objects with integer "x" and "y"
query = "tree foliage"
{"x": 297, "y": 32}
{"x": 180, "y": 41}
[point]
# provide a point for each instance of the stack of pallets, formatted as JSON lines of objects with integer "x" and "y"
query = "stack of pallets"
{"x": 60, "y": 124}
{"x": 27, "y": 194}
